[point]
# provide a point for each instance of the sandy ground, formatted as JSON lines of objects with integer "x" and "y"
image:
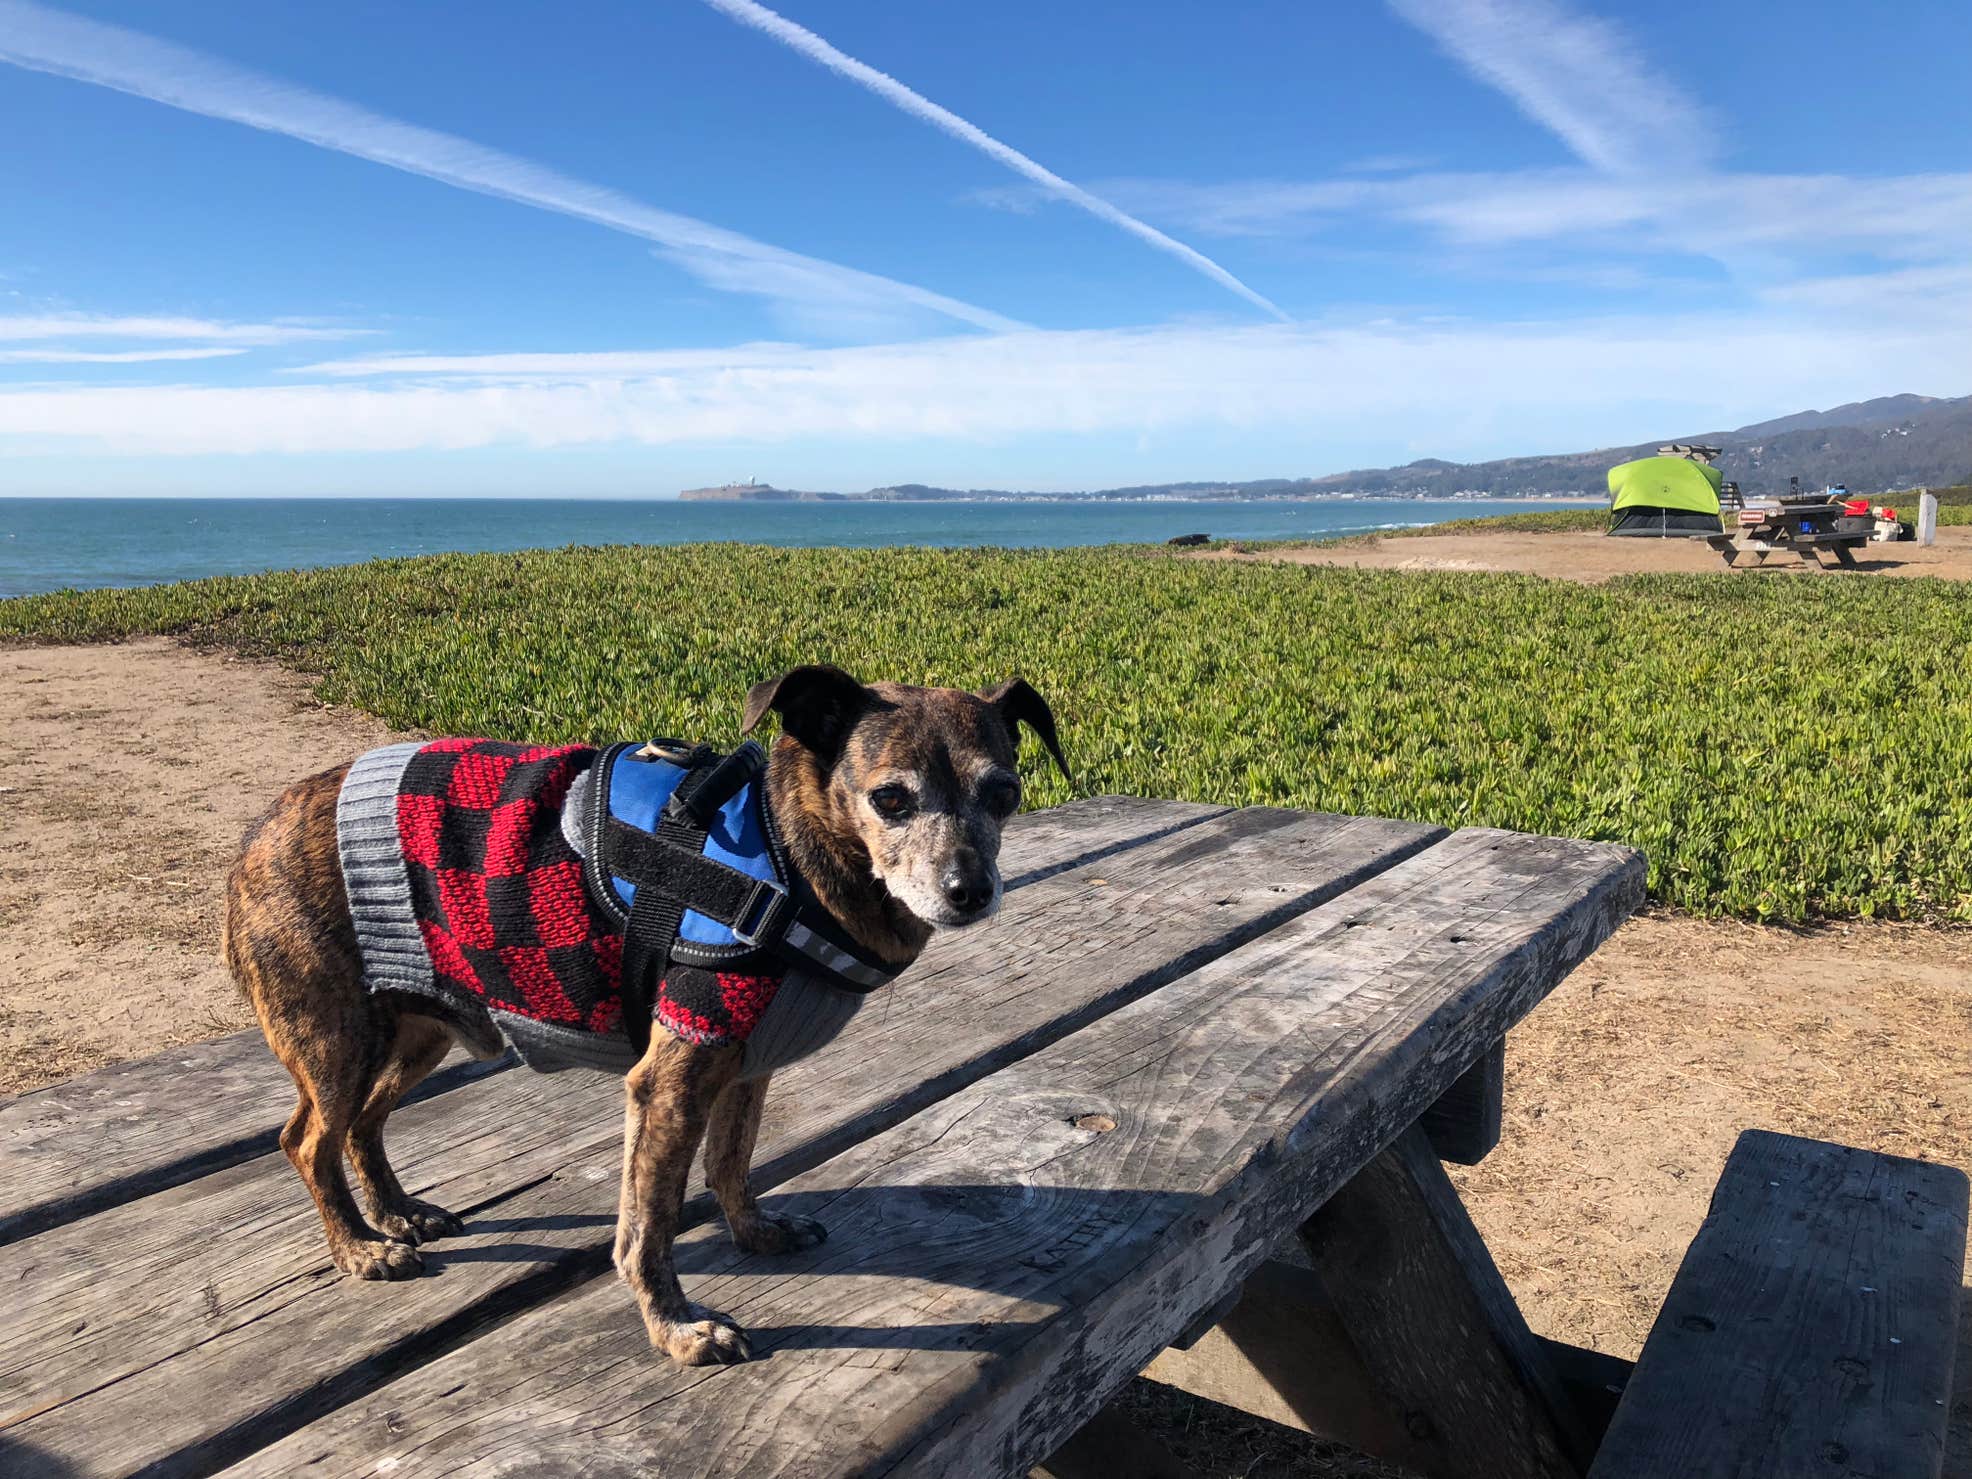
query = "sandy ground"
{"x": 1625, "y": 1091}
{"x": 129, "y": 775}
{"x": 1593, "y": 558}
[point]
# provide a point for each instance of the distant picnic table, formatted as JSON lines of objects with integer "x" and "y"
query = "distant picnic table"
{"x": 1067, "y": 1146}
{"x": 1805, "y": 529}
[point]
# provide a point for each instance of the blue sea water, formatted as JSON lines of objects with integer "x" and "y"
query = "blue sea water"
{"x": 49, "y": 544}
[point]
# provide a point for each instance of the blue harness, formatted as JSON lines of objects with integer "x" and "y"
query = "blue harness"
{"x": 684, "y": 856}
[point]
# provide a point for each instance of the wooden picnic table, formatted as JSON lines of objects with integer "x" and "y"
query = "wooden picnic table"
{"x": 1056, "y": 1148}
{"x": 1802, "y": 529}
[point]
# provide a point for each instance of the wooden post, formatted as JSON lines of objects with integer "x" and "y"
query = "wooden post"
{"x": 1927, "y": 516}
{"x": 1464, "y": 1125}
{"x": 1436, "y": 1326}
{"x": 1281, "y": 1353}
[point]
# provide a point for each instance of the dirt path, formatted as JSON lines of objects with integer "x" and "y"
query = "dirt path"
{"x": 129, "y": 774}
{"x": 1625, "y": 1089}
{"x": 1594, "y": 558}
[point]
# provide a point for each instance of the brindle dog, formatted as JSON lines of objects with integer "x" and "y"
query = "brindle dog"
{"x": 890, "y": 799}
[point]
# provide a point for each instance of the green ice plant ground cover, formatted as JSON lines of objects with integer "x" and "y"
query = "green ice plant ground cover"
{"x": 1781, "y": 749}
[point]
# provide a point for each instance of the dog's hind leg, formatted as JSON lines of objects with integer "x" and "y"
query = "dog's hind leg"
{"x": 668, "y": 1098}
{"x": 334, "y": 1088}
{"x": 292, "y": 948}
{"x": 420, "y": 1046}
{"x": 729, "y": 1137}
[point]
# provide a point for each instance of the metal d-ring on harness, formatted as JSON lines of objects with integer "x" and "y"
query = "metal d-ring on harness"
{"x": 672, "y": 875}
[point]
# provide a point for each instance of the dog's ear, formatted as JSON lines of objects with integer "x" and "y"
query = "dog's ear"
{"x": 817, "y": 703}
{"x": 1018, "y": 703}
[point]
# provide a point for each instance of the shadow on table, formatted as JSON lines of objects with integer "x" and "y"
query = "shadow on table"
{"x": 24, "y": 1461}
{"x": 1032, "y": 1249}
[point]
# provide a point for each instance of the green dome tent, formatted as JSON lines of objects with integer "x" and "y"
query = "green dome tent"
{"x": 1664, "y": 495}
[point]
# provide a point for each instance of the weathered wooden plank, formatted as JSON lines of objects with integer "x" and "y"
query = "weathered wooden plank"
{"x": 493, "y": 1140}
{"x": 1281, "y": 1353}
{"x": 1437, "y": 1328}
{"x": 120, "y": 1133}
{"x": 1039, "y": 844}
{"x": 1464, "y": 1126}
{"x": 533, "y": 1162}
{"x": 1000, "y": 1263}
{"x": 1811, "y": 1327}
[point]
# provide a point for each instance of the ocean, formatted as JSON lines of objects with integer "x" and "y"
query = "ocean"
{"x": 49, "y": 544}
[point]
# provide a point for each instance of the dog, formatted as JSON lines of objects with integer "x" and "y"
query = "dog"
{"x": 888, "y": 803}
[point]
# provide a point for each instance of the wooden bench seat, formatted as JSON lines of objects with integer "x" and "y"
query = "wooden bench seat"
{"x": 1811, "y": 1328}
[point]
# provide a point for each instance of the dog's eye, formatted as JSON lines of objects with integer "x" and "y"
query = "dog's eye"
{"x": 893, "y": 802}
{"x": 1000, "y": 798}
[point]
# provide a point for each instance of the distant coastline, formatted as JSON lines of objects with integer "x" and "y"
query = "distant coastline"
{"x": 49, "y": 543}
{"x": 1892, "y": 442}
{"x": 1267, "y": 491}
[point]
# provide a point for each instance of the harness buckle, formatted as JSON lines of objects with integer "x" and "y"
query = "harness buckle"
{"x": 764, "y": 915}
{"x": 709, "y": 787}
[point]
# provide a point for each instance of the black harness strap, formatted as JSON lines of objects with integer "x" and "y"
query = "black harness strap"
{"x": 672, "y": 874}
{"x": 655, "y": 917}
{"x": 671, "y": 860}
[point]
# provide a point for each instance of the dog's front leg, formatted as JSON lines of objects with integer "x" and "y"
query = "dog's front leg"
{"x": 728, "y": 1157}
{"x": 669, "y": 1095}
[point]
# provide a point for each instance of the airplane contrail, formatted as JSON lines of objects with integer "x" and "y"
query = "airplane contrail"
{"x": 805, "y": 41}
{"x": 43, "y": 40}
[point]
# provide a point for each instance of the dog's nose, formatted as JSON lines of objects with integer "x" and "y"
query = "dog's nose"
{"x": 967, "y": 889}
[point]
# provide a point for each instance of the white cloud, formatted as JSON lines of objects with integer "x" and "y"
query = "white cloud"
{"x": 109, "y": 356}
{"x": 102, "y": 326}
{"x": 44, "y": 40}
{"x": 1912, "y": 292}
{"x": 1580, "y": 77}
{"x": 801, "y": 39}
{"x": 1440, "y": 384}
{"x": 1901, "y": 218}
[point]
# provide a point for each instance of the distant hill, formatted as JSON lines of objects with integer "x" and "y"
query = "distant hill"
{"x": 1895, "y": 441}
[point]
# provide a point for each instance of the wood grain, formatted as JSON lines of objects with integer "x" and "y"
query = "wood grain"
{"x": 1811, "y": 1328}
{"x": 1444, "y": 1344}
{"x": 255, "y": 1323}
{"x": 1003, "y": 1261}
{"x": 122, "y": 1132}
{"x": 1282, "y": 1353}
{"x": 1464, "y": 1125}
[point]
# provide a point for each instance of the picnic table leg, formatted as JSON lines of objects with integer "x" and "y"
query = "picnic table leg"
{"x": 1464, "y": 1125}
{"x": 1844, "y": 556}
{"x": 1436, "y": 1327}
{"x": 1110, "y": 1444}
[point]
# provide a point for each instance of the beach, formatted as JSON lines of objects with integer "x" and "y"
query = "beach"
{"x": 1591, "y": 558}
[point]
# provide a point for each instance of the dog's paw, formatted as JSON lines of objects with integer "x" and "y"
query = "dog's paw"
{"x": 770, "y": 1232}
{"x": 419, "y": 1222}
{"x": 392, "y": 1259}
{"x": 711, "y": 1340}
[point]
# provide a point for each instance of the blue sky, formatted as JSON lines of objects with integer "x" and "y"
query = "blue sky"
{"x": 627, "y": 248}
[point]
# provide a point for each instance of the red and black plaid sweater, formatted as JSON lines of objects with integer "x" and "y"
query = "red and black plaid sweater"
{"x": 495, "y": 893}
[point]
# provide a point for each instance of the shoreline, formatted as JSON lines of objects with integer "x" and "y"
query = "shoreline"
{"x": 97, "y": 543}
